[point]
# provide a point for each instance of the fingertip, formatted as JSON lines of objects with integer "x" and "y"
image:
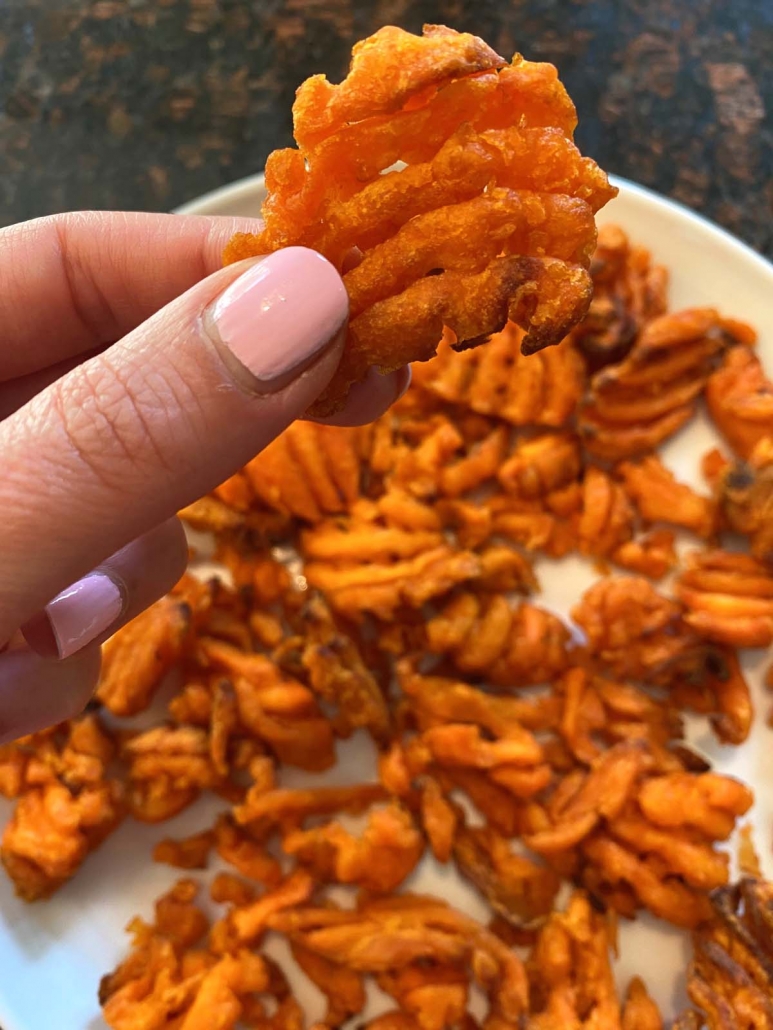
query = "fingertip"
{"x": 94, "y": 607}
{"x": 36, "y": 692}
{"x": 369, "y": 399}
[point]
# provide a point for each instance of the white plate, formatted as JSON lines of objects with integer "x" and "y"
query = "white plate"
{"x": 53, "y": 954}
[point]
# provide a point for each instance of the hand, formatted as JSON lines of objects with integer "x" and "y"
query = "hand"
{"x": 102, "y": 442}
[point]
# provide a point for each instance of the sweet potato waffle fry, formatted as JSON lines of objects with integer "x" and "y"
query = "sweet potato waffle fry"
{"x": 491, "y": 380}
{"x": 744, "y": 491}
{"x": 638, "y": 403}
{"x": 628, "y": 292}
{"x": 730, "y": 978}
{"x": 570, "y": 976}
{"x": 740, "y": 400}
{"x": 489, "y": 216}
{"x": 728, "y": 598}
{"x": 512, "y": 645}
{"x": 67, "y": 804}
{"x": 308, "y": 472}
{"x": 382, "y": 586}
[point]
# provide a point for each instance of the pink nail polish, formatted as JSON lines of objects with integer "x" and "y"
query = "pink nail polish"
{"x": 281, "y": 313}
{"x": 83, "y": 611}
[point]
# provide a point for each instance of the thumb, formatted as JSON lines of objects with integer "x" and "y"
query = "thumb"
{"x": 124, "y": 440}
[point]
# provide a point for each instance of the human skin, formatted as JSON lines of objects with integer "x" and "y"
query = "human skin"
{"x": 135, "y": 375}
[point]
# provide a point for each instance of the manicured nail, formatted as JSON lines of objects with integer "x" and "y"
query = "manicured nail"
{"x": 404, "y": 381}
{"x": 81, "y": 613}
{"x": 280, "y": 314}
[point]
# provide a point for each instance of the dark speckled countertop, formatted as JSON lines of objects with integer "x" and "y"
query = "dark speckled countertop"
{"x": 147, "y": 103}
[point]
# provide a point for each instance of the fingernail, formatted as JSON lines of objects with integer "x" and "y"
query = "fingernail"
{"x": 280, "y": 314}
{"x": 76, "y": 617}
{"x": 406, "y": 375}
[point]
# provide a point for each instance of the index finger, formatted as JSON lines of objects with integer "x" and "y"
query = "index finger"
{"x": 75, "y": 282}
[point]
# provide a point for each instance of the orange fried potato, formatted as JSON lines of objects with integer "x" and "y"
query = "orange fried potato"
{"x": 541, "y": 464}
{"x": 392, "y": 1021}
{"x": 728, "y": 597}
{"x": 583, "y": 716}
{"x": 247, "y": 855}
{"x": 659, "y": 497}
{"x": 264, "y": 809}
{"x": 709, "y": 803}
{"x": 685, "y": 854}
{"x": 246, "y": 924}
{"x": 434, "y": 994}
{"x": 739, "y": 397}
{"x": 619, "y": 613}
{"x": 52, "y": 831}
{"x": 168, "y": 767}
{"x": 547, "y": 525}
{"x": 343, "y": 989}
{"x": 256, "y": 574}
{"x": 166, "y": 977}
{"x": 138, "y": 656}
{"x": 635, "y": 836}
{"x": 455, "y": 744}
{"x": 652, "y": 554}
{"x": 370, "y": 589}
{"x": 212, "y": 515}
{"x": 629, "y": 713}
{"x": 489, "y": 218}
{"x": 436, "y": 700}
{"x": 378, "y": 859}
{"x": 613, "y": 866}
{"x": 606, "y": 522}
{"x": 499, "y": 380}
{"x": 14, "y": 760}
{"x": 477, "y": 467}
{"x": 640, "y": 1011}
{"x": 352, "y": 542}
{"x": 628, "y": 292}
{"x": 273, "y": 708}
{"x": 391, "y": 933}
{"x": 511, "y": 645}
{"x": 497, "y": 804}
{"x": 67, "y": 805}
{"x": 748, "y": 858}
{"x": 602, "y": 793}
{"x": 570, "y": 974}
{"x": 439, "y": 819}
{"x": 637, "y": 404}
{"x": 309, "y": 470}
{"x": 334, "y": 668}
{"x": 188, "y": 853}
{"x": 421, "y": 451}
{"x": 744, "y": 492}
{"x": 729, "y": 980}
{"x": 382, "y": 587}
{"x": 76, "y": 753}
{"x": 516, "y": 887}
{"x": 709, "y": 680}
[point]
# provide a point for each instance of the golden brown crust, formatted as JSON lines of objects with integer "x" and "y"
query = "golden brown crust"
{"x": 491, "y": 218}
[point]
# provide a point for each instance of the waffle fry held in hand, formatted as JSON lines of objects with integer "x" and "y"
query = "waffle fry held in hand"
{"x": 490, "y": 218}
